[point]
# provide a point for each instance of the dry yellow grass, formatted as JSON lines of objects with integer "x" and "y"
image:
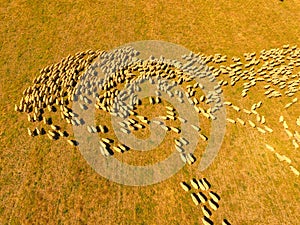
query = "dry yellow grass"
{"x": 50, "y": 182}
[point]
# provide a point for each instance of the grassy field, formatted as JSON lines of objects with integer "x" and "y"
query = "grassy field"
{"x": 44, "y": 182}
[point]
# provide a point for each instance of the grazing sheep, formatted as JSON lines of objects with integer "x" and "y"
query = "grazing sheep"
{"x": 236, "y": 108}
{"x": 30, "y": 132}
{"x": 230, "y": 120}
{"x": 183, "y": 157}
{"x": 183, "y": 140}
{"x": 227, "y": 103}
{"x": 206, "y": 211}
{"x": 190, "y": 158}
{"x": 295, "y": 144}
{"x": 247, "y": 111}
{"x": 214, "y": 196}
{"x": 185, "y": 186}
{"x": 50, "y": 137}
{"x": 269, "y": 147}
{"x": 261, "y": 130}
{"x": 213, "y": 204}
{"x": 118, "y": 149}
{"x": 241, "y": 121}
{"x": 225, "y": 222}
{"x": 252, "y": 124}
{"x": 281, "y": 119}
{"x": 203, "y": 137}
{"x": 286, "y": 159}
{"x": 166, "y": 128}
{"x": 151, "y": 100}
{"x": 206, "y": 184}
{"x": 178, "y": 143}
{"x": 179, "y": 149}
{"x": 195, "y": 199}
{"x": 295, "y": 171}
{"x": 182, "y": 120}
{"x": 289, "y": 133}
{"x": 175, "y": 129}
{"x": 207, "y": 221}
{"x": 202, "y": 197}
{"x": 280, "y": 157}
{"x": 196, "y": 128}
{"x": 72, "y": 142}
{"x": 194, "y": 183}
{"x": 201, "y": 185}
{"x": 288, "y": 105}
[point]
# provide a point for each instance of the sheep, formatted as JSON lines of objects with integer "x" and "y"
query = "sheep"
{"x": 225, "y": 222}
{"x": 52, "y": 133}
{"x": 178, "y": 143}
{"x": 227, "y": 103}
{"x": 195, "y": 199}
{"x": 190, "y": 158}
{"x": 214, "y": 205}
{"x": 118, "y": 149}
{"x": 194, "y": 183}
{"x": 170, "y": 108}
{"x": 158, "y": 122}
{"x": 202, "y": 197}
{"x": 241, "y": 121}
{"x": 295, "y": 171}
{"x": 203, "y": 137}
{"x": 261, "y": 130}
{"x": 286, "y": 159}
{"x": 175, "y": 129}
{"x": 297, "y": 136}
{"x": 143, "y": 119}
{"x": 163, "y": 117}
{"x": 196, "y": 128}
{"x": 280, "y": 157}
{"x": 157, "y": 100}
{"x": 252, "y": 124}
{"x": 281, "y": 119}
{"x": 207, "y": 221}
{"x": 201, "y": 185}
{"x": 206, "y": 184}
{"x": 123, "y": 147}
{"x": 298, "y": 121}
{"x": 288, "y": 105}
{"x": 151, "y": 100}
{"x": 183, "y": 140}
{"x": 166, "y": 128}
{"x": 202, "y": 98}
{"x": 206, "y": 211}
{"x": 269, "y": 147}
{"x": 30, "y": 133}
{"x": 182, "y": 120}
{"x": 230, "y": 120}
{"x": 263, "y": 120}
{"x": 62, "y": 134}
{"x": 139, "y": 126}
{"x": 124, "y": 130}
{"x": 89, "y": 129}
{"x": 183, "y": 157}
{"x": 171, "y": 117}
{"x": 289, "y": 133}
{"x": 101, "y": 128}
{"x": 258, "y": 119}
{"x": 214, "y": 196}
{"x": 247, "y": 111}
{"x": 179, "y": 149}
{"x": 72, "y": 142}
{"x": 295, "y": 144}
{"x": 185, "y": 186}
